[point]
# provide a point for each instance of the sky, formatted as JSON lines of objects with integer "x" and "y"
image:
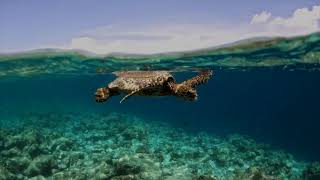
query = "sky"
{"x": 149, "y": 26}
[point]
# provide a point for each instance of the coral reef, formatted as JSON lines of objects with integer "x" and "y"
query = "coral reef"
{"x": 312, "y": 172}
{"x": 123, "y": 147}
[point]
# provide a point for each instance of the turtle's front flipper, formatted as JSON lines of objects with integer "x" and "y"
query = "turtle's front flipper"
{"x": 145, "y": 86}
{"x": 128, "y": 95}
{"x": 201, "y": 78}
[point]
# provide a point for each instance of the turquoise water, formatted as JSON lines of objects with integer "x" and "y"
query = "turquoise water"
{"x": 257, "y": 118}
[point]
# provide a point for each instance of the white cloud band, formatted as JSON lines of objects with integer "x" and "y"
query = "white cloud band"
{"x": 182, "y": 37}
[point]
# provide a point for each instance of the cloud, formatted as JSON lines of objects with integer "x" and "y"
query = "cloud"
{"x": 181, "y": 37}
{"x": 154, "y": 39}
{"x": 302, "y": 21}
{"x": 261, "y": 18}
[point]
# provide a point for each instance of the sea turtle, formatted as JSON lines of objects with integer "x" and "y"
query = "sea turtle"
{"x": 151, "y": 83}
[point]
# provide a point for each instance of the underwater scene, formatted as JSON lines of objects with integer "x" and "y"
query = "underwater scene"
{"x": 255, "y": 118}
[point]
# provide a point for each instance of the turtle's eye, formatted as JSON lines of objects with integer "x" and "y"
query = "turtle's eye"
{"x": 98, "y": 95}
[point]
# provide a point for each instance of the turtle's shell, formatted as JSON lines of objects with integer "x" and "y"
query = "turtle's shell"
{"x": 146, "y": 82}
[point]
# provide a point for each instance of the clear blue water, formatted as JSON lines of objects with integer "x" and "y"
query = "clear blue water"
{"x": 257, "y": 118}
{"x": 280, "y": 108}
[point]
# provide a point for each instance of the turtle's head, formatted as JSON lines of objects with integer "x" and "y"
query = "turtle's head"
{"x": 102, "y": 94}
{"x": 186, "y": 92}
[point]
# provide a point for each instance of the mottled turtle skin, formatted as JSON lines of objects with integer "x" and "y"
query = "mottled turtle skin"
{"x": 151, "y": 83}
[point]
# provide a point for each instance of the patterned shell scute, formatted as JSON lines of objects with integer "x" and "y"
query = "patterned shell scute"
{"x": 128, "y": 81}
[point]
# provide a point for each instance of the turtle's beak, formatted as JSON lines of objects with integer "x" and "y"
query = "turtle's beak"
{"x": 101, "y": 95}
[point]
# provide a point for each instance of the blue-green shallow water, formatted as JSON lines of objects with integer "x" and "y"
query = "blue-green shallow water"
{"x": 257, "y": 118}
{"x": 277, "y": 107}
{"x": 274, "y": 107}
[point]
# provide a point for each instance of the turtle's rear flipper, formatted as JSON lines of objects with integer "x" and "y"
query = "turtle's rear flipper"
{"x": 201, "y": 78}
